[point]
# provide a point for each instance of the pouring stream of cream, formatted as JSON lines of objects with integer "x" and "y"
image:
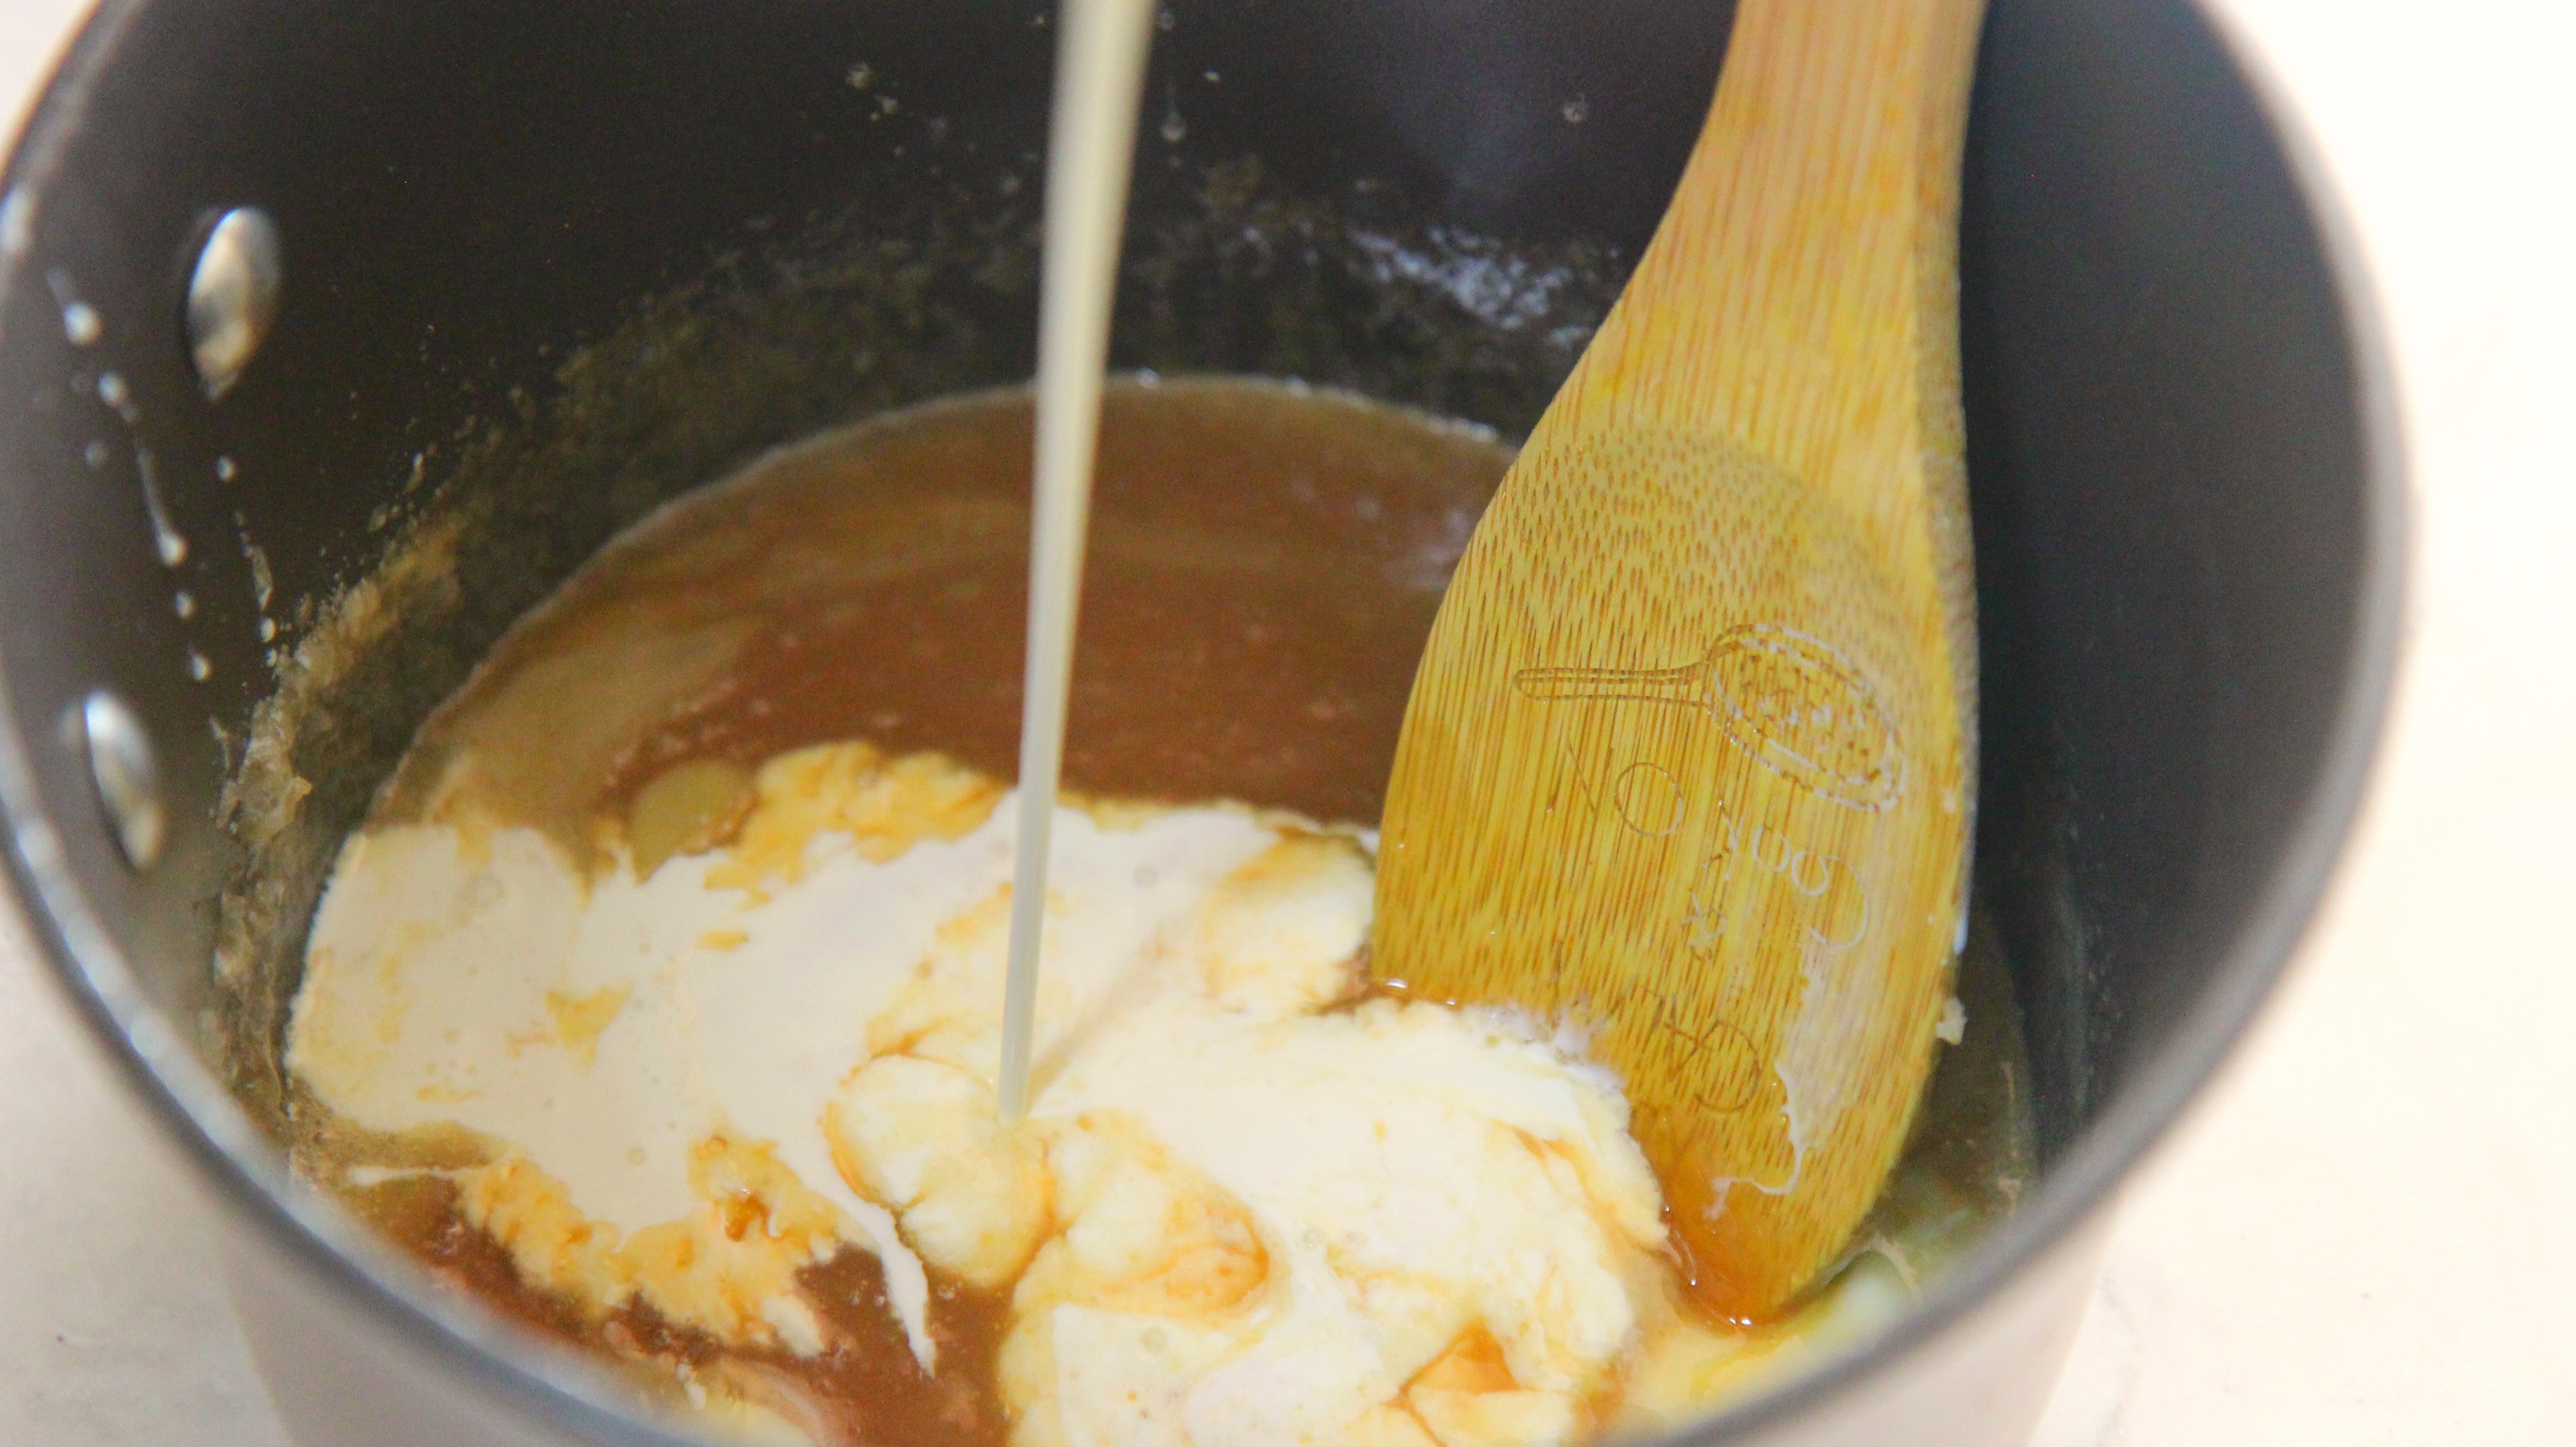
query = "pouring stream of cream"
{"x": 1091, "y": 142}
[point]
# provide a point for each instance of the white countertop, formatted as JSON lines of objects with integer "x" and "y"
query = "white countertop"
{"x": 2361, "y": 1238}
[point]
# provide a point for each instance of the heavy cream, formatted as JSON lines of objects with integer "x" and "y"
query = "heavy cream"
{"x": 1250, "y": 1205}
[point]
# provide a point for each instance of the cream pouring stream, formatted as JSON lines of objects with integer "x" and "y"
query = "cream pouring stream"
{"x": 1091, "y": 143}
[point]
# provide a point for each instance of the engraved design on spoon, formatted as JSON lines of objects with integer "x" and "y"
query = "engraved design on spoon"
{"x": 1791, "y": 700}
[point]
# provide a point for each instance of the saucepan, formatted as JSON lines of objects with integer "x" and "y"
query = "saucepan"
{"x": 283, "y": 283}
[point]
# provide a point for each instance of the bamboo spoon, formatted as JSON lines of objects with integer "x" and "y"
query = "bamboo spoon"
{"x": 1689, "y": 753}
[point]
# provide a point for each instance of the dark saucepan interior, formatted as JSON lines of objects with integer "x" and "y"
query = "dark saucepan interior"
{"x": 1294, "y": 230}
{"x": 549, "y": 266}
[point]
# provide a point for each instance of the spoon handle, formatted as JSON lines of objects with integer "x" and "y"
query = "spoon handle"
{"x": 1801, "y": 296}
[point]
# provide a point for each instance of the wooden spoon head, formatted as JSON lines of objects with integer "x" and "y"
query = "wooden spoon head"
{"x": 1682, "y": 763}
{"x": 1687, "y": 756}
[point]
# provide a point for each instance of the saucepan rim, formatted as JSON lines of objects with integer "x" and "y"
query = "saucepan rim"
{"x": 251, "y": 1179}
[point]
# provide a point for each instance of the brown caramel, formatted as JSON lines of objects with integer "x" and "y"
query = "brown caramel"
{"x": 1264, "y": 566}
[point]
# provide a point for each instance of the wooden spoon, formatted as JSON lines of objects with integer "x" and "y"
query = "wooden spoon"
{"x": 1689, "y": 757}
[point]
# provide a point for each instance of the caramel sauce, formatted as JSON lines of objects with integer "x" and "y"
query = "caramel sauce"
{"x": 865, "y": 1387}
{"x": 1264, "y": 567}
{"x": 1265, "y": 563}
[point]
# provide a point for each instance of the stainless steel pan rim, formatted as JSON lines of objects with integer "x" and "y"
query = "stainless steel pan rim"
{"x": 251, "y": 1178}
